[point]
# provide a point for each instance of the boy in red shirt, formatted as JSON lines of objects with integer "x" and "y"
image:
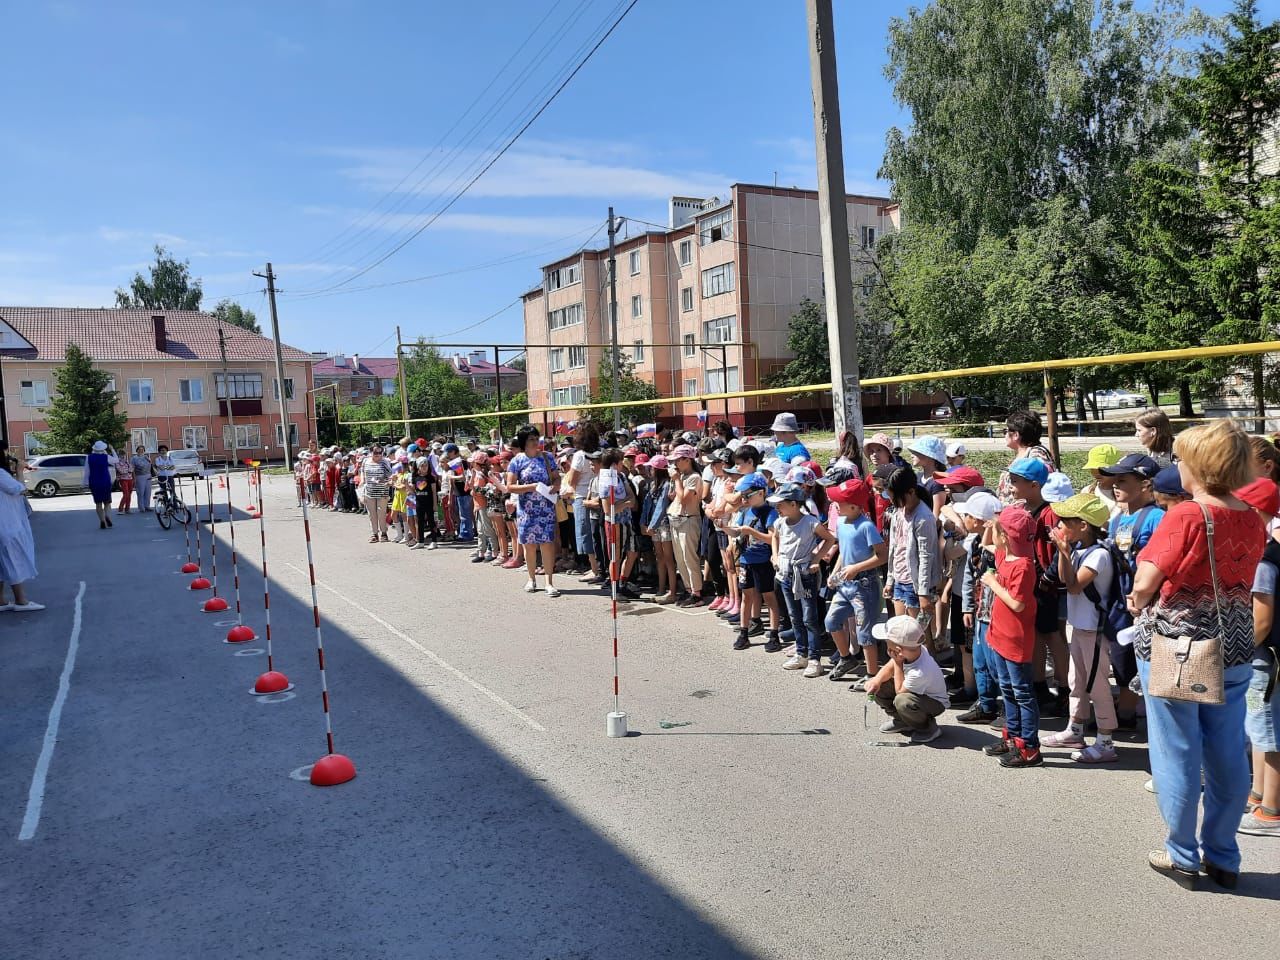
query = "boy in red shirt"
{"x": 1012, "y": 637}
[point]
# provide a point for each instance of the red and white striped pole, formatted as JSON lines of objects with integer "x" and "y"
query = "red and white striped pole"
{"x": 333, "y": 768}
{"x": 272, "y": 681}
{"x": 190, "y": 566}
{"x": 239, "y": 633}
{"x": 615, "y": 722}
{"x": 201, "y": 582}
{"x": 214, "y": 604}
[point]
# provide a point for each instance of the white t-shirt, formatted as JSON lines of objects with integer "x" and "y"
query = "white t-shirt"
{"x": 582, "y": 472}
{"x": 924, "y": 676}
{"x": 1081, "y": 613}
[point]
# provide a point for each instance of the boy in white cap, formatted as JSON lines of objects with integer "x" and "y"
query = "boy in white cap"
{"x": 956, "y": 453}
{"x": 910, "y": 688}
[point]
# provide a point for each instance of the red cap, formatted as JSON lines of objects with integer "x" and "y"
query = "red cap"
{"x": 642, "y": 459}
{"x": 851, "y": 491}
{"x": 813, "y": 465}
{"x": 1019, "y": 526}
{"x": 1262, "y": 494}
{"x": 957, "y": 475}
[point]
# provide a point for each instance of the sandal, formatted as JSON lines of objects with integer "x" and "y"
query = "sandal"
{"x": 374, "y": 538}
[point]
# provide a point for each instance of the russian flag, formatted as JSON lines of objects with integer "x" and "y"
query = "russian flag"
{"x": 702, "y": 416}
{"x": 646, "y": 431}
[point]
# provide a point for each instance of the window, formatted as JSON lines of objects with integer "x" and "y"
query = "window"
{"x": 144, "y": 437}
{"x": 565, "y": 316}
{"x": 555, "y": 360}
{"x": 388, "y": 386}
{"x": 31, "y": 442}
{"x": 720, "y": 330}
{"x": 690, "y": 350}
{"x": 634, "y": 262}
{"x": 868, "y": 237}
{"x": 868, "y": 284}
{"x": 195, "y": 438}
{"x": 564, "y": 276}
{"x": 74, "y": 460}
{"x": 243, "y": 386}
{"x": 191, "y": 391}
{"x": 578, "y": 356}
{"x": 248, "y": 436}
{"x": 722, "y": 381}
{"x": 288, "y": 388}
{"x": 718, "y": 226}
{"x": 637, "y": 352}
{"x": 565, "y": 396}
{"x": 691, "y": 387}
{"x": 717, "y": 280}
{"x": 637, "y": 307}
{"x": 686, "y": 252}
{"x": 35, "y": 393}
{"x": 370, "y": 384}
{"x": 140, "y": 391}
{"x": 293, "y": 436}
{"x": 686, "y": 299}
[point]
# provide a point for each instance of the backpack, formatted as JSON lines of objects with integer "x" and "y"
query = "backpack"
{"x": 1113, "y": 609}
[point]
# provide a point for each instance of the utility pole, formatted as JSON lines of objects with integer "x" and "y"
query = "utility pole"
{"x": 226, "y": 389}
{"x": 497, "y": 387}
{"x": 404, "y": 394}
{"x": 613, "y": 323}
{"x": 275, "y": 335}
{"x": 833, "y": 212}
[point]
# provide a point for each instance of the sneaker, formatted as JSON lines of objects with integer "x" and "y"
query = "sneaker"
{"x": 1150, "y": 785}
{"x": 1258, "y": 824}
{"x": 842, "y": 669}
{"x": 815, "y": 669}
{"x": 893, "y": 725}
{"x": 476, "y": 558}
{"x": 976, "y": 714}
{"x": 998, "y": 748}
{"x": 1096, "y": 753}
{"x": 626, "y": 592}
{"x": 771, "y": 642}
{"x": 531, "y": 587}
{"x": 29, "y": 607}
{"x": 733, "y": 620}
{"x": 717, "y": 603}
{"x": 416, "y": 546}
{"x": 433, "y": 545}
{"x": 1024, "y": 757}
{"x": 997, "y": 722}
{"x": 587, "y": 576}
{"x": 5, "y": 607}
{"x": 796, "y": 662}
{"x": 756, "y": 629}
{"x": 860, "y": 685}
{"x": 742, "y": 643}
{"x": 383, "y": 538}
{"x": 552, "y": 591}
{"x": 1066, "y": 740}
{"x": 927, "y": 736}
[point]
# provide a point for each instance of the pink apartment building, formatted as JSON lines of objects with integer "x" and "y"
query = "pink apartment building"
{"x": 166, "y": 368}
{"x": 703, "y": 306}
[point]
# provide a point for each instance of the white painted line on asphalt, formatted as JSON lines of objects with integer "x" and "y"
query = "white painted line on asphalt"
{"x": 35, "y": 797}
{"x": 434, "y": 658}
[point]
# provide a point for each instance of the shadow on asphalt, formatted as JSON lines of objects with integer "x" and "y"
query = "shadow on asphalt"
{"x": 172, "y": 827}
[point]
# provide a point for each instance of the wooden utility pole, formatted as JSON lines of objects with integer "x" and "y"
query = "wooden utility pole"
{"x": 837, "y": 268}
{"x": 404, "y": 394}
{"x": 275, "y": 335}
{"x": 613, "y": 324}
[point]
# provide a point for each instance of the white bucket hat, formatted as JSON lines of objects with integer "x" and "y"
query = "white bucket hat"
{"x": 786, "y": 422}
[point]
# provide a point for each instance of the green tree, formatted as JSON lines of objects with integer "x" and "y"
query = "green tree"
{"x": 516, "y": 401}
{"x": 630, "y": 387}
{"x": 228, "y": 311}
{"x": 807, "y": 339}
{"x": 83, "y": 409}
{"x": 434, "y": 386}
{"x": 169, "y": 287}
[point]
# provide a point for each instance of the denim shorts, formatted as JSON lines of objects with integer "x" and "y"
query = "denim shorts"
{"x": 1262, "y": 719}
{"x": 843, "y": 608}
{"x": 906, "y": 593}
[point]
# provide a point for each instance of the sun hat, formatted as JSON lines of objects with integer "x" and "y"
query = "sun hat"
{"x": 1029, "y": 468}
{"x": 850, "y": 491}
{"x": 1138, "y": 463}
{"x": 774, "y": 467}
{"x": 959, "y": 475}
{"x": 879, "y": 440}
{"x": 1084, "y": 506}
{"x": 684, "y": 451}
{"x": 1262, "y": 494}
{"x": 929, "y": 446}
{"x": 1169, "y": 482}
{"x": 752, "y": 481}
{"x": 1103, "y": 455}
{"x": 980, "y": 504}
{"x": 630, "y": 451}
{"x": 800, "y": 474}
{"x": 786, "y": 423}
{"x": 789, "y": 491}
{"x": 659, "y": 462}
{"x": 1019, "y": 526}
{"x": 902, "y": 631}
{"x": 1056, "y": 488}
{"x": 955, "y": 449}
{"x": 99, "y": 445}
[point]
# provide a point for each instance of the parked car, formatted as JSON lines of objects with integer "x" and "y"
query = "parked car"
{"x": 55, "y": 473}
{"x": 1119, "y": 398}
{"x": 186, "y": 463}
{"x": 970, "y": 408}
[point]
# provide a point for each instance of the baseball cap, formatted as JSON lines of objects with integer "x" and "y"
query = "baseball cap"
{"x": 1085, "y": 506}
{"x": 788, "y": 491}
{"x": 958, "y": 475}
{"x": 1169, "y": 481}
{"x": 642, "y": 459}
{"x": 659, "y": 462}
{"x": 1103, "y": 455}
{"x": 450, "y": 448}
{"x": 1056, "y": 488}
{"x": 813, "y": 465}
{"x": 752, "y": 481}
{"x": 684, "y": 452}
{"x": 956, "y": 449}
{"x": 902, "y": 631}
{"x": 800, "y": 474}
{"x": 850, "y": 491}
{"x": 837, "y": 474}
{"x": 1018, "y": 525}
{"x": 980, "y": 504}
{"x": 1138, "y": 463}
{"x": 1262, "y": 494}
{"x": 886, "y": 471}
{"x": 1029, "y": 468}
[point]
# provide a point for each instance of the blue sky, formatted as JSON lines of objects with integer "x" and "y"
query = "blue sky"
{"x": 236, "y": 133}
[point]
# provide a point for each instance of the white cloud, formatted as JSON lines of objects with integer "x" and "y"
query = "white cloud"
{"x": 532, "y": 225}
{"x": 116, "y": 235}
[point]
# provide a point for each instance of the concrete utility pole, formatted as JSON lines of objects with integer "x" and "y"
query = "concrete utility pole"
{"x": 275, "y": 335}
{"x": 837, "y": 269}
{"x": 404, "y": 394}
{"x": 226, "y": 389}
{"x": 613, "y": 323}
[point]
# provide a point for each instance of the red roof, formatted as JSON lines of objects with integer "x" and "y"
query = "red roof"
{"x": 481, "y": 368}
{"x": 381, "y": 367}
{"x": 115, "y": 334}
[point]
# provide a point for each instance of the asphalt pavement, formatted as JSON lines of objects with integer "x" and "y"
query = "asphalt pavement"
{"x": 747, "y": 816}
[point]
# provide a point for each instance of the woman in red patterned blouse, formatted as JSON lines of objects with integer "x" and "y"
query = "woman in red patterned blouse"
{"x": 1174, "y": 572}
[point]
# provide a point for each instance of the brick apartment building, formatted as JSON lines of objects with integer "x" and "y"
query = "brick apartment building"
{"x": 359, "y": 378}
{"x": 166, "y": 367}
{"x": 703, "y": 306}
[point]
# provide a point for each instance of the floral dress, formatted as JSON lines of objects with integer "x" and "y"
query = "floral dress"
{"x": 536, "y": 516}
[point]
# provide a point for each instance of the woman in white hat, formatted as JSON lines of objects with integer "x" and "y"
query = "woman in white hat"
{"x": 98, "y": 477}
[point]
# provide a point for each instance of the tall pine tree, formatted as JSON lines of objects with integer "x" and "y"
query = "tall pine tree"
{"x": 83, "y": 409}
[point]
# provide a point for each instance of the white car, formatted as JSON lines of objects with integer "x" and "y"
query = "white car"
{"x": 186, "y": 463}
{"x": 1119, "y": 398}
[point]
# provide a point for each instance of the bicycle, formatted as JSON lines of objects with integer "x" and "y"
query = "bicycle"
{"x": 168, "y": 507}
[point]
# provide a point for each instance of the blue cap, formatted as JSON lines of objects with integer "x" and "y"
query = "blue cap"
{"x": 450, "y": 448}
{"x": 1169, "y": 481}
{"x": 1138, "y": 463}
{"x": 1029, "y": 468}
{"x": 752, "y": 481}
{"x": 789, "y": 491}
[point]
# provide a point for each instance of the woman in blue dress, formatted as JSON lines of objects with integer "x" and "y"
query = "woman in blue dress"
{"x": 532, "y": 474}
{"x": 99, "y": 478}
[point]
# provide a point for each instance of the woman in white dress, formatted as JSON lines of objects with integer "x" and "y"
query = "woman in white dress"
{"x": 17, "y": 549}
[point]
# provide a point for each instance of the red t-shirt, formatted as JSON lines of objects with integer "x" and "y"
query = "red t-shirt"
{"x": 1013, "y": 635}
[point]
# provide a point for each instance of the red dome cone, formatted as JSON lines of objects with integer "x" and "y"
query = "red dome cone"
{"x": 201, "y": 583}
{"x": 273, "y": 681}
{"x": 240, "y": 634}
{"x": 331, "y": 770}
{"x": 190, "y": 567}
{"x": 215, "y": 605}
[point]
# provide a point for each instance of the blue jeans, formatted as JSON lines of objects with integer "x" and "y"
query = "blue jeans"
{"x": 801, "y": 594}
{"x": 983, "y": 670}
{"x": 582, "y": 529}
{"x": 866, "y": 590}
{"x": 466, "y": 517}
{"x": 1021, "y": 709}
{"x": 1184, "y": 738}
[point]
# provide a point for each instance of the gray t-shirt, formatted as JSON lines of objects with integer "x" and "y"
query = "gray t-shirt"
{"x": 795, "y": 543}
{"x": 141, "y": 465}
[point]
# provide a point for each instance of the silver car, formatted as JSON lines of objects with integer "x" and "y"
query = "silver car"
{"x": 55, "y": 473}
{"x": 186, "y": 463}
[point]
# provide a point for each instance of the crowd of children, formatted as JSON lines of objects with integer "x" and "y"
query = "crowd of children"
{"x": 871, "y": 568}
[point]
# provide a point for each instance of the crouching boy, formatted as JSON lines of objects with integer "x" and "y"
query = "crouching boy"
{"x": 910, "y": 688}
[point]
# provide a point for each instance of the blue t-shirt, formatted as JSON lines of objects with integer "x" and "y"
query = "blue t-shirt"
{"x": 762, "y": 519}
{"x": 1131, "y": 531}
{"x": 787, "y": 452}
{"x": 858, "y": 540}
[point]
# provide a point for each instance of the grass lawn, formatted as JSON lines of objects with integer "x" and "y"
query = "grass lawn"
{"x": 990, "y": 462}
